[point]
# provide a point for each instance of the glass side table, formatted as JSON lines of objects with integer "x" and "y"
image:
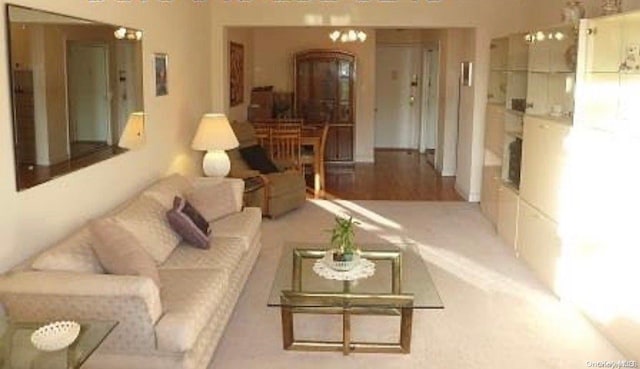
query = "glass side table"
{"x": 17, "y": 351}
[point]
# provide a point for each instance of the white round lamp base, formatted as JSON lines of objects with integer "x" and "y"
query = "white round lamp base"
{"x": 216, "y": 164}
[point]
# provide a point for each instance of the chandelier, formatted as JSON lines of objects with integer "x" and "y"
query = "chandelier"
{"x": 348, "y": 36}
{"x": 128, "y": 34}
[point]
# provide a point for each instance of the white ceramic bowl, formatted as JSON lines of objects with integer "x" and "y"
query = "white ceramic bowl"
{"x": 55, "y": 336}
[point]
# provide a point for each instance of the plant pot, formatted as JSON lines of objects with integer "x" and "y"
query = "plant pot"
{"x": 341, "y": 261}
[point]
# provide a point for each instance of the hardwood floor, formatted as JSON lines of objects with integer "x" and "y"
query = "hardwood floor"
{"x": 395, "y": 175}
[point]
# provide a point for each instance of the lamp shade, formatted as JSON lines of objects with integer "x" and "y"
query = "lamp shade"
{"x": 133, "y": 136}
{"x": 214, "y": 133}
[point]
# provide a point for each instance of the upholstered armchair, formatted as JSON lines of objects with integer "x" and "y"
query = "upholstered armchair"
{"x": 283, "y": 191}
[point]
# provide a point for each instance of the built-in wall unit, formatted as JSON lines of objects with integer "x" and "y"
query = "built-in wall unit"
{"x": 561, "y": 189}
{"x": 76, "y": 84}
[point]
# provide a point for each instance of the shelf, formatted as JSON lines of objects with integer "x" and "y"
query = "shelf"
{"x": 515, "y": 112}
{"x": 562, "y": 120}
{"x": 552, "y": 71}
{"x": 514, "y": 134}
{"x": 501, "y": 70}
{"x": 510, "y": 185}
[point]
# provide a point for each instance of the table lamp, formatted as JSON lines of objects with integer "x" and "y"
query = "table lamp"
{"x": 133, "y": 136}
{"x": 214, "y": 136}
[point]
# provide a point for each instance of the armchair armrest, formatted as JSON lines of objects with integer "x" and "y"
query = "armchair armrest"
{"x": 243, "y": 173}
{"x": 132, "y": 301}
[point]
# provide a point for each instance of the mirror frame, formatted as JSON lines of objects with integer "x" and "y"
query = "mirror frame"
{"x": 80, "y": 164}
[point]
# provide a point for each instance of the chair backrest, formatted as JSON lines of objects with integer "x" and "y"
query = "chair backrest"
{"x": 278, "y": 121}
{"x": 263, "y": 135}
{"x": 285, "y": 143}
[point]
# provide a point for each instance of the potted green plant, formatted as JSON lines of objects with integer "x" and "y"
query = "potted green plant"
{"x": 344, "y": 250}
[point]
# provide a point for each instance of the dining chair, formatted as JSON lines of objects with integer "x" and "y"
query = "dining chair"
{"x": 263, "y": 135}
{"x": 285, "y": 143}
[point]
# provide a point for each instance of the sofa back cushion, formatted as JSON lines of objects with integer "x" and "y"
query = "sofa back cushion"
{"x": 119, "y": 251}
{"x": 215, "y": 201}
{"x": 166, "y": 189}
{"x": 73, "y": 254}
{"x": 146, "y": 219}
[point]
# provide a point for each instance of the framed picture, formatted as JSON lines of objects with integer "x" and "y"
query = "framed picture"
{"x": 160, "y": 64}
{"x": 236, "y": 74}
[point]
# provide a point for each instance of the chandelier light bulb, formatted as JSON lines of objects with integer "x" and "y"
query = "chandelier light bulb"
{"x": 540, "y": 36}
{"x": 351, "y": 35}
{"x": 120, "y": 33}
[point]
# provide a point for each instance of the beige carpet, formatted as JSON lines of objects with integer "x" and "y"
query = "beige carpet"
{"x": 497, "y": 315}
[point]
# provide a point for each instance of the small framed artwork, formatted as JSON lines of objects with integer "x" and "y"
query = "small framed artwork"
{"x": 236, "y": 74}
{"x": 160, "y": 65}
{"x": 466, "y": 73}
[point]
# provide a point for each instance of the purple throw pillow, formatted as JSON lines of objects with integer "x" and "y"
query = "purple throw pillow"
{"x": 186, "y": 221}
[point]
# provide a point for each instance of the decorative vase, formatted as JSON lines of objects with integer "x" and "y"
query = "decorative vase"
{"x": 611, "y": 7}
{"x": 342, "y": 262}
{"x": 572, "y": 13}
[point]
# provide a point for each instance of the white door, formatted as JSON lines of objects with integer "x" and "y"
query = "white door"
{"x": 88, "y": 84}
{"x": 398, "y": 71}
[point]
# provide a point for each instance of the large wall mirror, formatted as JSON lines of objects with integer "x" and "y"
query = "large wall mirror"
{"x": 76, "y": 85}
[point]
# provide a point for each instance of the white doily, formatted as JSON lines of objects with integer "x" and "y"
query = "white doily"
{"x": 364, "y": 269}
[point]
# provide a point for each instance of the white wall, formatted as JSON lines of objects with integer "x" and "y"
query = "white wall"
{"x": 400, "y": 14}
{"x": 33, "y": 219}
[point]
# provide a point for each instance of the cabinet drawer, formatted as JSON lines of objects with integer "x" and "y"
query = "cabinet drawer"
{"x": 539, "y": 244}
{"x": 543, "y": 164}
{"x": 507, "y": 215}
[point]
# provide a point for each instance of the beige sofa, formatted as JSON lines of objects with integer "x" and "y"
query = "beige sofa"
{"x": 175, "y": 326}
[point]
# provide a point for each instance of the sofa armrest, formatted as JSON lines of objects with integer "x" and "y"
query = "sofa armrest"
{"x": 132, "y": 301}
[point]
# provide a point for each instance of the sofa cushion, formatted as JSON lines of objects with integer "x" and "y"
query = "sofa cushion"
{"x": 214, "y": 201}
{"x": 146, "y": 219}
{"x": 73, "y": 254}
{"x": 165, "y": 189}
{"x": 120, "y": 252}
{"x": 189, "y": 298}
{"x": 258, "y": 159}
{"x": 286, "y": 183}
{"x": 189, "y": 223}
{"x": 244, "y": 225}
{"x": 224, "y": 254}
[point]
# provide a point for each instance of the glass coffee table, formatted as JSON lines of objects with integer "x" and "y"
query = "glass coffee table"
{"x": 17, "y": 351}
{"x": 400, "y": 285}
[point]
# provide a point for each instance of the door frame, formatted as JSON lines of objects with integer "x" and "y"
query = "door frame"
{"x": 430, "y": 111}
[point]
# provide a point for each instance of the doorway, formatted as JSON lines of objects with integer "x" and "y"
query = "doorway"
{"x": 398, "y": 97}
{"x": 89, "y": 98}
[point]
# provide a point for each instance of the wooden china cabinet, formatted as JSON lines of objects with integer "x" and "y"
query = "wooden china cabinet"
{"x": 324, "y": 92}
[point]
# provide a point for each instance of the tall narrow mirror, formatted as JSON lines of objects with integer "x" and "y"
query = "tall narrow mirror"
{"x": 75, "y": 85}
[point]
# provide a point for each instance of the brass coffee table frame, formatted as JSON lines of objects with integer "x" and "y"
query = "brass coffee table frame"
{"x": 346, "y": 303}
